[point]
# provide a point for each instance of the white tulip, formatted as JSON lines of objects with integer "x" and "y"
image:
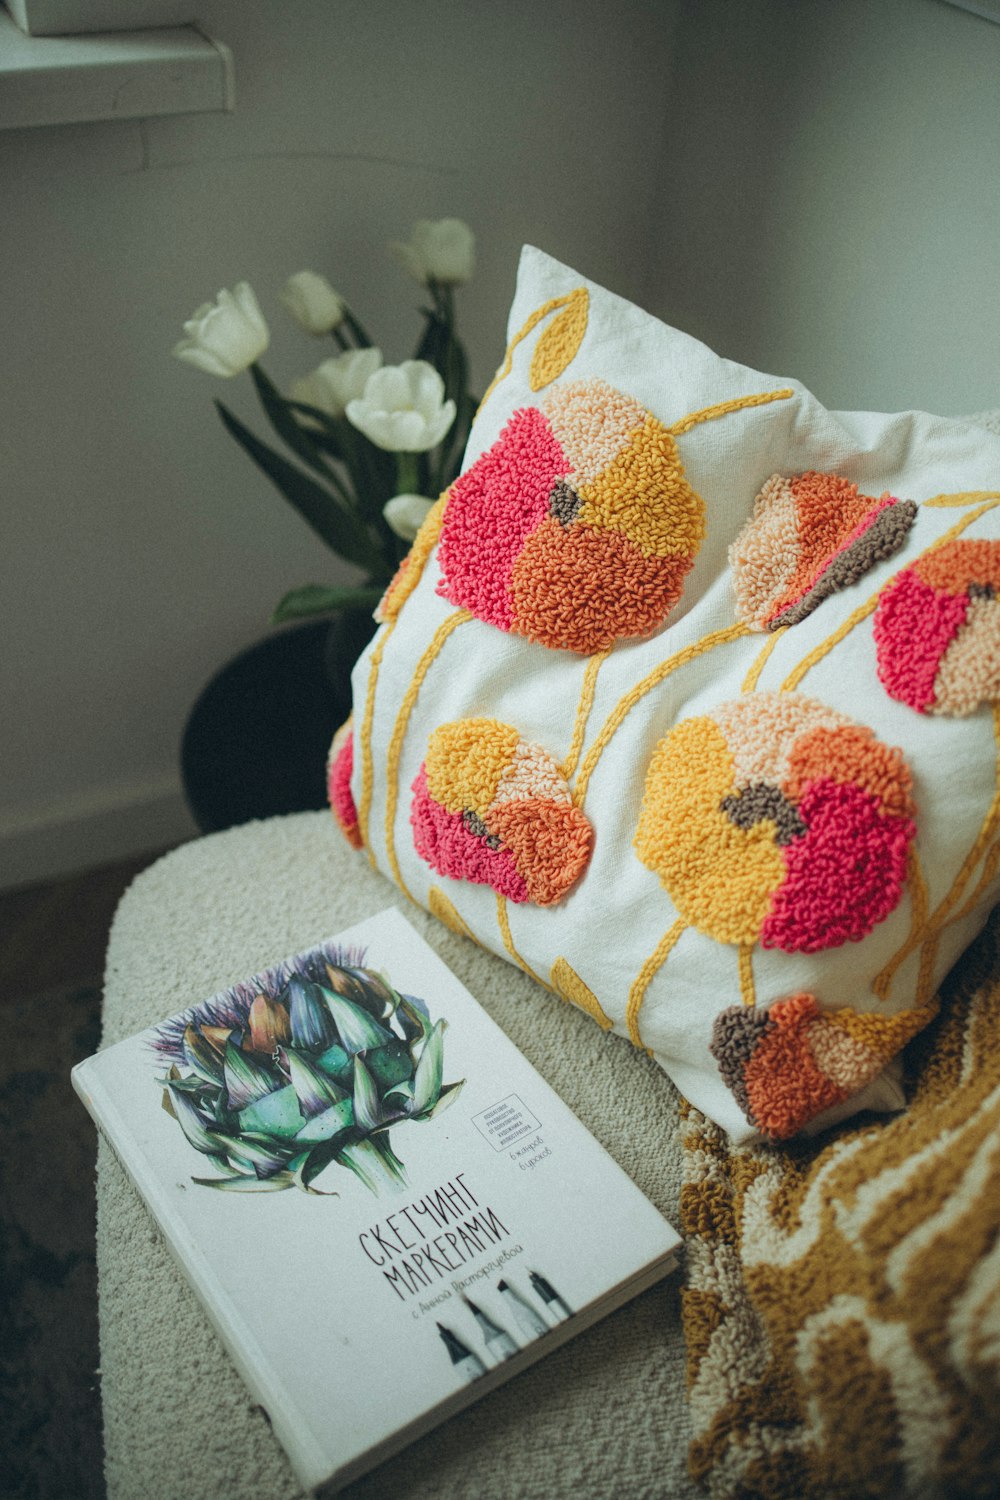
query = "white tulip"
{"x": 406, "y": 514}
{"x": 403, "y": 408}
{"x": 442, "y": 250}
{"x": 226, "y": 338}
{"x": 337, "y": 381}
{"x": 312, "y": 302}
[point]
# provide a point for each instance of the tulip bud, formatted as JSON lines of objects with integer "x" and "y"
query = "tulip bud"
{"x": 441, "y": 250}
{"x": 406, "y": 514}
{"x": 226, "y": 338}
{"x": 312, "y": 302}
{"x": 337, "y": 381}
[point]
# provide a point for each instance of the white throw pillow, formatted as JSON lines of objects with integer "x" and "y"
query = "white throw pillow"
{"x": 684, "y": 702}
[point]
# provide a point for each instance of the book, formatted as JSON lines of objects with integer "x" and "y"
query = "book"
{"x": 354, "y": 1165}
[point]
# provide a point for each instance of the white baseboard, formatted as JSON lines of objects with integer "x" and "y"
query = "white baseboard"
{"x": 92, "y": 828}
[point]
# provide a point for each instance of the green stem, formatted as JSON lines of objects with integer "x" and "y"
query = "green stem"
{"x": 407, "y": 474}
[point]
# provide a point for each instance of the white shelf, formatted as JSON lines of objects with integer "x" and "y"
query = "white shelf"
{"x": 119, "y": 75}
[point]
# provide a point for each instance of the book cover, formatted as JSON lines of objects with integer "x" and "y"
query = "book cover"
{"x": 384, "y": 1208}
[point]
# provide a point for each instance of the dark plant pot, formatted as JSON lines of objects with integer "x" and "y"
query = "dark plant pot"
{"x": 256, "y": 741}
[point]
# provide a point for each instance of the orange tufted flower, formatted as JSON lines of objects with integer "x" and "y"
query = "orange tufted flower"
{"x": 776, "y": 818}
{"x": 577, "y": 527}
{"x": 491, "y": 808}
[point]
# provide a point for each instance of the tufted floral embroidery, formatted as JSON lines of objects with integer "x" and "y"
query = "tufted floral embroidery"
{"x": 339, "y": 768}
{"x": 937, "y": 630}
{"x": 577, "y": 527}
{"x": 807, "y": 538}
{"x": 788, "y": 1062}
{"x": 491, "y": 808}
{"x": 775, "y": 818}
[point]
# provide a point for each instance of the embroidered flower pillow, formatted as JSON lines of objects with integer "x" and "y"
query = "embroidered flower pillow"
{"x": 685, "y": 702}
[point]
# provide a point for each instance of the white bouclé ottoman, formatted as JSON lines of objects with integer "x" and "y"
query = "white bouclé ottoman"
{"x": 605, "y": 1415}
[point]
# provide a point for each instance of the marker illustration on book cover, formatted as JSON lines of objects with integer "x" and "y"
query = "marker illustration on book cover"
{"x": 498, "y": 1344}
{"x": 307, "y": 1066}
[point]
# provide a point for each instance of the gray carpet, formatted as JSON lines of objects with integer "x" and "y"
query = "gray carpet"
{"x": 50, "y": 1414}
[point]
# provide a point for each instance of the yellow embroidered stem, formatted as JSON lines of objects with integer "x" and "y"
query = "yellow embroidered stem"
{"x": 882, "y": 983}
{"x": 989, "y": 870}
{"x": 577, "y": 303}
{"x": 567, "y": 983}
{"x": 504, "y": 923}
{"x": 653, "y": 963}
{"x": 925, "y": 974}
{"x": 930, "y": 931}
{"x": 439, "y": 906}
{"x": 365, "y": 738}
{"x": 794, "y": 677}
{"x": 862, "y": 612}
{"x": 624, "y": 707}
{"x": 753, "y": 676}
{"x": 723, "y": 408}
{"x": 746, "y": 974}
{"x": 967, "y": 497}
{"x": 423, "y": 666}
{"x": 583, "y": 712}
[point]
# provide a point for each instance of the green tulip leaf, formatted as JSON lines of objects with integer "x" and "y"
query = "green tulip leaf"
{"x": 329, "y": 515}
{"x": 279, "y": 413}
{"x": 319, "y": 599}
{"x": 324, "y": 433}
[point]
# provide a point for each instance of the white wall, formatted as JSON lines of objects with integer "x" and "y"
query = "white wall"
{"x": 140, "y": 549}
{"x": 831, "y": 204}
{"x": 812, "y": 186}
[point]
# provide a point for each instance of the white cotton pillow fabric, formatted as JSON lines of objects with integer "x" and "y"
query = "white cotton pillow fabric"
{"x": 815, "y": 832}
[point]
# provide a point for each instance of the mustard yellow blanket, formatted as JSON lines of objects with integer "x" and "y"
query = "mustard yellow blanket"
{"x": 842, "y": 1310}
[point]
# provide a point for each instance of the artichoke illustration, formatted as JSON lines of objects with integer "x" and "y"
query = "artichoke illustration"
{"x": 308, "y": 1066}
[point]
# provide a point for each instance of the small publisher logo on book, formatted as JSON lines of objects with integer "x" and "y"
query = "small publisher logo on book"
{"x": 504, "y": 1123}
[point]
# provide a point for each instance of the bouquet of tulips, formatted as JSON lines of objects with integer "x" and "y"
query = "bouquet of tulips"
{"x": 371, "y": 445}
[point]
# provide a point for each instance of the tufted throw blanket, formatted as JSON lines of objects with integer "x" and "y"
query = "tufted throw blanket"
{"x": 842, "y": 1311}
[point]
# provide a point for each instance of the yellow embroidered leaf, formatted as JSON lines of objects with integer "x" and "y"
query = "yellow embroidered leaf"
{"x": 560, "y": 342}
{"x": 571, "y": 987}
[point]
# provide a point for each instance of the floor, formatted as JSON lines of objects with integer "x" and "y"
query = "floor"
{"x": 51, "y": 969}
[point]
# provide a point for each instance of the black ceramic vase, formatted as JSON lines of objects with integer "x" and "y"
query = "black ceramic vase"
{"x": 256, "y": 741}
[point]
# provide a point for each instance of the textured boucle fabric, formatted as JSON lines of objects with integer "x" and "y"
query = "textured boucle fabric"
{"x": 603, "y": 1416}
